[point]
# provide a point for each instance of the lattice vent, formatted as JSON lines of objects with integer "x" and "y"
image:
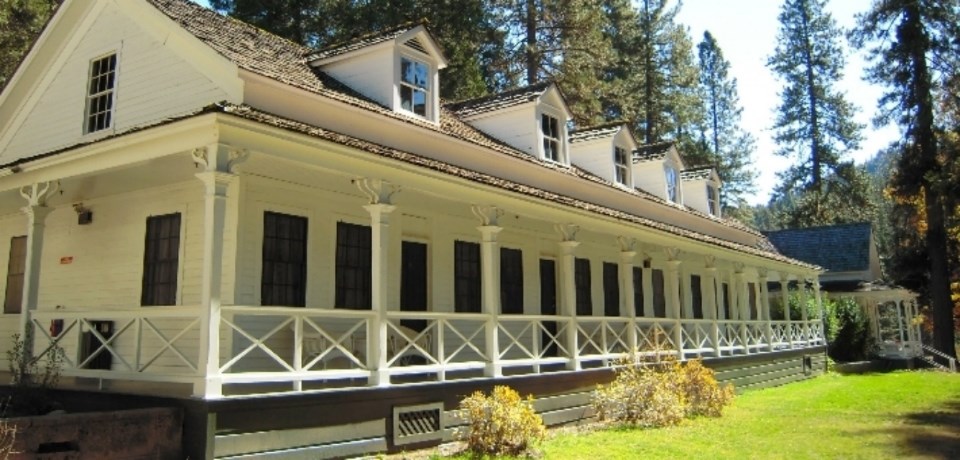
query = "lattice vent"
{"x": 415, "y": 44}
{"x": 417, "y": 423}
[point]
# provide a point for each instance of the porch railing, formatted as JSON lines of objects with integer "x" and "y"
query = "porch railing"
{"x": 301, "y": 348}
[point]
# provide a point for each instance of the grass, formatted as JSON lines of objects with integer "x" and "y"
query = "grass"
{"x": 896, "y": 415}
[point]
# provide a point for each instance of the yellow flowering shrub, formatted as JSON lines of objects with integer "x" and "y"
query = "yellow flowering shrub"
{"x": 704, "y": 395}
{"x": 502, "y": 423}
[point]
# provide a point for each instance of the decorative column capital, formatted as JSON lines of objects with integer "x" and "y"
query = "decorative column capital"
{"x": 627, "y": 244}
{"x": 738, "y": 268}
{"x": 377, "y": 191}
{"x": 568, "y": 247}
{"x": 236, "y": 157}
{"x": 567, "y": 232}
{"x": 763, "y": 274}
{"x": 216, "y": 182}
{"x": 488, "y": 233}
{"x": 488, "y": 215}
{"x": 627, "y": 256}
{"x": 673, "y": 254}
{"x": 379, "y": 212}
{"x": 36, "y": 194}
{"x": 710, "y": 262}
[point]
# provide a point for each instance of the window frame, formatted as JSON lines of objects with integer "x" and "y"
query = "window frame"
{"x": 621, "y": 168}
{"x": 15, "y": 307}
{"x": 429, "y": 91}
{"x": 302, "y": 295}
{"x": 560, "y": 139}
{"x": 111, "y": 113}
{"x": 672, "y": 189}
{"x": 151, "y": 301}
{"x": 611, "y": 289}
{"x": 713, "y": 199}
{"x": 583, "y": 286}
{"x": 511, "y": 281}
{"x": 467, "y": 287}
{"x": 352, "y": 262}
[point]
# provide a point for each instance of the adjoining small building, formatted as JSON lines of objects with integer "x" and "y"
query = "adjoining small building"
{"x": 849, "y": 255}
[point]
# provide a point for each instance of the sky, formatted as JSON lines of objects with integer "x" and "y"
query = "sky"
{"x": 746, "y": 32}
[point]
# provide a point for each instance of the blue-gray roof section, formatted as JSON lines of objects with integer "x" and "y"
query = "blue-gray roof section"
{"x": 837, "y": 248}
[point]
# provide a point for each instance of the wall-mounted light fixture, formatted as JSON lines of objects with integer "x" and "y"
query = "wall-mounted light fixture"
{"x": 84, "y": 215}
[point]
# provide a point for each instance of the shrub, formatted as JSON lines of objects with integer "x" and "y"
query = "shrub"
{"x": 660, "y": 394}
{"x": 849, "y": 336}
{"x": 704, "y": 395}
{"x": 502, "y": 423}
{"x": 32, "y": 377}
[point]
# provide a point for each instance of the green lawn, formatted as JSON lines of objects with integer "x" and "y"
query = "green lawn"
{"x": 896, "y": 415}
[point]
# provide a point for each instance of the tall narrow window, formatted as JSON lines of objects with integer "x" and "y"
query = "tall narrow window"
{"x": 582, "y": 283}
{"x": 611, "y": 289}
{"x": 413, "y": 282}
{"x": 284, "y": 279}
{"x": 15, "y": 270}
{"x": 511, "y": 280}
{"x": 673, "y": 188}
{"x": 752, "y": 298}
{"x": 638, "y": 291}
{"x": 659, "y": 295}
{"x": 103, "y": 79}
{"x": 696, "y": 296}
{"x": 551, "y": 137}
{"x": 621, "y": 165}
{"x": 712, "y": 204}
{"x": 466, "y": 277}
{"x": 353, "y": 267}
{"x": 414, "y": 86}
{"x": 726, "y": 301}
{"x": 161, "y": 260}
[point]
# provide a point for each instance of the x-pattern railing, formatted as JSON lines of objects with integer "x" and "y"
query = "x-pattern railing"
{"x": 603, "y": 336}
{"x": 655, "y": 336}
{"x": 696, "y": 336}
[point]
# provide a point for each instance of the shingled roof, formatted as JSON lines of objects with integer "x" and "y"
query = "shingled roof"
{"x": 837, "y": 248}
{"x": 362, "y": 41}
{"x": 703, "y": 172}
{"x": 597, "y": 132}
{"x": 499, "y": 101}
{"x": 650, "y": 152}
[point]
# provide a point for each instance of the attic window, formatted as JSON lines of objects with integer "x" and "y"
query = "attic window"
{"x": 551, "y": 137}
{"x": 414, "y": 86}
{"x": 712, "y": 204}
{"x": 673, "y": 188}
{"x": 100, "y": 92}
{"x": 620, "y": 162}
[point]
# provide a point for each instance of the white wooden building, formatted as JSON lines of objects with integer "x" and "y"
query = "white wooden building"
{"x": 200, "y": 210}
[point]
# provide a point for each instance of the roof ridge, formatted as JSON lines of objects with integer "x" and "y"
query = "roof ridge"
{"x": 454, "y": 106}
{"x": 353, "y": 40}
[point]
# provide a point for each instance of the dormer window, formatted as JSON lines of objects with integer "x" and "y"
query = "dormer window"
{"x": 673, "y": 185}
{"x": 621, "y": 165}
{"x": 550, "y": 128}
{"x": 100, "y": 93}
{"x": 414, "y": 86}
{"x": 713, "y": 202}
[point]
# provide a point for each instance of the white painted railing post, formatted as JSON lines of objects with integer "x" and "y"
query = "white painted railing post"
{"x": 820, "y": 311}
{"x": 673, "y": 297}
{"x": 785, "y": 298}
{"x": 740, "y": 286}
{"x": 765, "y": 308}
{"x": 490, "y": 281}
{"x": 627, "y": 298}
{"x": 36, "y": 211}
{"x": 215, "y": 163}
{"x": 568, "y": 290}
{"x": 710, "y": 302}
{"x": 802, "y": 285}
{"x": 378, "y": 193}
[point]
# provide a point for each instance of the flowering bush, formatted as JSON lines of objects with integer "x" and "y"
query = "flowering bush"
{"x": 703, "y": 394}
{"x": 502, "y": 423}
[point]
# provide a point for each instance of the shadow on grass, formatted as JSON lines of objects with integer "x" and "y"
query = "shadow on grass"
{"x": 930, "y": 434}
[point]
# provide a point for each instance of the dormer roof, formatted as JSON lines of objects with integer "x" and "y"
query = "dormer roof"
{"x": 414, "y": 35}
{"x": 507, "y": 99}
{"x": 653, "y": 152}
{"x": 600, "y": 131}
{"x": 700, "y": 173}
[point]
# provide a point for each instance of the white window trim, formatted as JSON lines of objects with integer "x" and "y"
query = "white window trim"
{"x": 628, "y": 170}
{"x": 432, "y": 92}
{"x": 676, "y": 183}
{"x": 562, "y": 155}
{"x": 113, "y": 102}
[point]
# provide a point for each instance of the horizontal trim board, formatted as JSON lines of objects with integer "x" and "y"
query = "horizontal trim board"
{"x": 245, "y": 443}
{"x": 339, "y": 450}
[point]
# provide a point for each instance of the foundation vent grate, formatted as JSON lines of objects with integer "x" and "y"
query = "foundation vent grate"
{"x": 417, "y": 423}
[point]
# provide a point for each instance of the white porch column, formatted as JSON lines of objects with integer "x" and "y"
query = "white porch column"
{"x": 710, "y": 301}
{"x": 647, "y": 279}
{"x": 628, "y": 252}
{"x": 214, "y": 161}
{"x": 765, "y": 306}
{"x": 673, "y": 297}
{"x": 785, "y": 298}
{"x": 740, "y": 287}
{"x": 819, "y": 303}
{"x": 36, "y": 211}
{"x": 379, "y": 206}
{"x": 490, "y": 280}
{"x": 802, "y": 285}
{"x": 568, "y": 290}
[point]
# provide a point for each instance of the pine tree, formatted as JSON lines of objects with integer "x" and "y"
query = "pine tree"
{"x": 20, "y": 24}
{"x": 905, "y": 38}
{"x": 728, "y": 147}
{"x": 814, "y": 122}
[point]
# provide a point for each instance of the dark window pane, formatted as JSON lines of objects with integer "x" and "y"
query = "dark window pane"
{"x": 353, "y": 290}
{"x": 413, "y": 282}
{"x": 283, "y": 281}
{"x": 466, "y": 285}
{"x": 582, "y": 282}
{"x": 161, "y": 260}
{"x": 611, "y": 289}
{"x": 752, "y": 296}
{"x": 659, "y": 298}
{"x": 15, "y": 270}
{"x": 638, "y": 290}
{"x": 696, "y": 295}
{"x": 511, "y": 281}
{"x": 726, "y": 301}
{"x": 548, "y": 305}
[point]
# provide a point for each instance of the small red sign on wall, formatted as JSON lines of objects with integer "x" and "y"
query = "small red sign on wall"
{"x": 66, "y": 260}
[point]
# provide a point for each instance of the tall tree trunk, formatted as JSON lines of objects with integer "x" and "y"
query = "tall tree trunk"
{"x": 648, "y": 103}
{"x": 531, "y": 42}
{"x": 812, "y": 97}
{"x": 916, "y": 36}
